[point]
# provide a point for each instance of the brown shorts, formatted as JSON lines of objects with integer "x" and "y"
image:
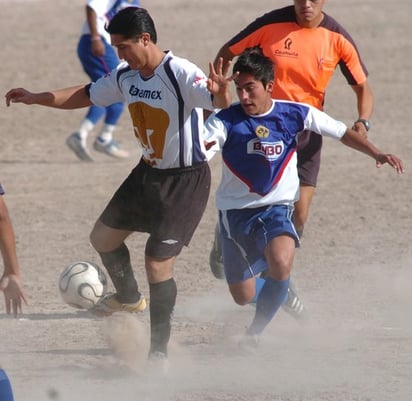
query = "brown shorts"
{"x": 308, "y": 152}
{"x": 167, "y": 204}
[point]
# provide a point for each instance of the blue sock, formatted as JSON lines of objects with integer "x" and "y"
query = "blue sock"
{"x": 259, "y": 285}
{"x": 6, "y": 394}
{"x": 270, "y": 298}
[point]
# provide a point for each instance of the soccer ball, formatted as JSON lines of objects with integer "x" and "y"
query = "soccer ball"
{"x": 82, "y": 284}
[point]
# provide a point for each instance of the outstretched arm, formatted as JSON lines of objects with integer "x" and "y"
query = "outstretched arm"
{"x": 74, "y": 97}
{"x": 360, "y": 143}
{"x": 10, "y": 281}
{"x": 364, "y": 98}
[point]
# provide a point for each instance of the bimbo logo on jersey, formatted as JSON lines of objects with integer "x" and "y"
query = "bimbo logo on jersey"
{"x": 270, "y": 150}
{"x": 145, "y": 93}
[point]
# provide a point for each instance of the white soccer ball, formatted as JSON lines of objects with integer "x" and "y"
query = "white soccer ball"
{"x": 82, "y": 284}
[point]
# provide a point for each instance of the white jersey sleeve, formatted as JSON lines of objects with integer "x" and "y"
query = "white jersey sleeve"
{"x": 321, "y": 123}
{"x": 215, "y": 132}
{"x": 106, "y": 90}
{"x": 192, "y": 82}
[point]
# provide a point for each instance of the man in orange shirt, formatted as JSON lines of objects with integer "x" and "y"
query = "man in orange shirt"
{"x": 305, "y": 45}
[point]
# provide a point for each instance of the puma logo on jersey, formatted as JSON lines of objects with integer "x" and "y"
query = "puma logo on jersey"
{"x": 145, "y": 93}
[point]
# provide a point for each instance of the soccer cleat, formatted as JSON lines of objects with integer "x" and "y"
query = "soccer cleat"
{"x": 110, "y": 148}
{"x": 109, "y": 305}
{"x": 75, "y": 144}
{"x": 158, "y": 363}
{"x": 294, "y": 306}
{"x": 215, "y": 256}
{"x": 249, "y": 343}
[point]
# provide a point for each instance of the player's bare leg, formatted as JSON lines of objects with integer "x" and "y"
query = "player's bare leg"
{"x": 302, "y": 206}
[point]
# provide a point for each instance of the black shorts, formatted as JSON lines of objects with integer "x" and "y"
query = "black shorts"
{"x": 167, "y": 204}
{"x": 308, "y": 152}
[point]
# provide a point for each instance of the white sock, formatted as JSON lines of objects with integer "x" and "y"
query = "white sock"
{"x": 106, "y": 133}
{"x": 85, "y": 127}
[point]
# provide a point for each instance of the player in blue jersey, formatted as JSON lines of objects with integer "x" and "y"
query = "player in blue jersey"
{"x": 260, "y": 184}
{"x": 98, "y": 58}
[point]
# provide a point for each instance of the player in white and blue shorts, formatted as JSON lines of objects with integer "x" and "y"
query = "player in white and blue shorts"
{"x": 246, "y": 233}
{"x": 259, "y": 186}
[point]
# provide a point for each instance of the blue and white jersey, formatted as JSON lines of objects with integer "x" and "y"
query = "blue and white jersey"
{"x": 259, "y": 152}
{"x": 105, "y": 10}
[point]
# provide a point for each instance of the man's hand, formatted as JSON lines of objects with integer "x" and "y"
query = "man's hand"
{"x": 218, "y": 83}
{"x": 19, "y": 95}
{"x": 13, "y": 293}
{"x": 392, "y": 160}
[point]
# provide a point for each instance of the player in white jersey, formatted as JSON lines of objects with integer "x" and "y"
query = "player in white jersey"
{"x": 259, "y": 184}
{"x": 98, "y": 57}
{"x": 166, "y": 193}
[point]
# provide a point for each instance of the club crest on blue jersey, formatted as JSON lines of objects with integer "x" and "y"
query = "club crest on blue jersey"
{"x": 261, "y": 131}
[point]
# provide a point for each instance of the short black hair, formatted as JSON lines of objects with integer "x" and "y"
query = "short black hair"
{"x": 252, "y": 61}
{"x": 132, "y": 22}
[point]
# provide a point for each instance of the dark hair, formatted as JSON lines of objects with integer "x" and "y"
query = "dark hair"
{"x": 132, "y": 22}
{"x": 252, "y": 61}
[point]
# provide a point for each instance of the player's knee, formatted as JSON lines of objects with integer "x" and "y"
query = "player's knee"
{"x": 281, "y": 266}
{"x": 97, "y": 240}
{"x": 93, "y": 240}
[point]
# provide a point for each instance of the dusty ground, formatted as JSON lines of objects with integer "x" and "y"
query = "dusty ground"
{"x": 353, "y": 269}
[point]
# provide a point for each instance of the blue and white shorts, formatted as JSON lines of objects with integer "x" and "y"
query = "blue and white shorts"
{"x": 244, "y": 234}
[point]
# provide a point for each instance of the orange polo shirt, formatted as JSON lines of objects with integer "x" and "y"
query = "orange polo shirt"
{"x": 304, "y": 58}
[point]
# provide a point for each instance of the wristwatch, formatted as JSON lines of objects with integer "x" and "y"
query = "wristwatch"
{"x": 366, "y": 123}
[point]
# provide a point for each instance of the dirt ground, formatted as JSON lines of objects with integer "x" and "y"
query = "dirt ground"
{"x": 353, "y": 269}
